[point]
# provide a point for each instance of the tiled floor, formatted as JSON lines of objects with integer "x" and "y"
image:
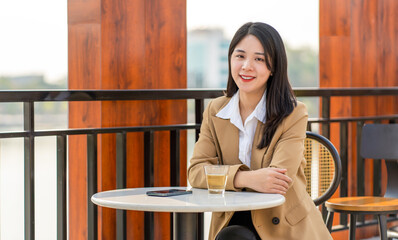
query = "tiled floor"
{"x": 395, "y": 231}
{"x": 377, "y": 238}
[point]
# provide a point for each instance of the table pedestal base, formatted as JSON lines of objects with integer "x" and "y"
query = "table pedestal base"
{"x": 187, "y": 226}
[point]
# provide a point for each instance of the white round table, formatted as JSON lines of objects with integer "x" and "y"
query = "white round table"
{"x": 185, "y": 207}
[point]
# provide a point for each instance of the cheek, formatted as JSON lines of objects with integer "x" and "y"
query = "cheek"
{"x": 264, "y": 71}
{"x": 234, "y": 67}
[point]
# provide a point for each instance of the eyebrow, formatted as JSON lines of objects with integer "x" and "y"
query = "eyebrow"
{"x": 242, "y": 51}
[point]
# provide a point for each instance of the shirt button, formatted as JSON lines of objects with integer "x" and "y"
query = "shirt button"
{"x": 275, "y": 221}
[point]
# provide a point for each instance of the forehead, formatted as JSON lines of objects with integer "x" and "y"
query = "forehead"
{"x": 250, "y": 43}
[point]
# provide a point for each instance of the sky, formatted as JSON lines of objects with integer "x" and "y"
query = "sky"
{"x": 297, "y": 21}
{"x": 33, "y": 38}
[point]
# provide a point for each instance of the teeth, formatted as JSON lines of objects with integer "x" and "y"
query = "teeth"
{"x": 246, "y": 78}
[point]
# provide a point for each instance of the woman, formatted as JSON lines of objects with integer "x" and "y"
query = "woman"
{"x": 258, "y": 129}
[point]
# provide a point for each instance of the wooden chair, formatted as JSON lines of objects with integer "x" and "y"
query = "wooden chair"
{"x": 378, "y": 141}
{"x": 323, "y": 169}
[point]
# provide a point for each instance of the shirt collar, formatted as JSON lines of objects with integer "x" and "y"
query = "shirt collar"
{"x": 231, "y": 111}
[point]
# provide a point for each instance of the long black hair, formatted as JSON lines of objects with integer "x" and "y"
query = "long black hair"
{"x": 280, "y": 99}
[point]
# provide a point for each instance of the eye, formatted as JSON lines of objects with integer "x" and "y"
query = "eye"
{"x": 239, "y": 56}
{"x": 260, "y": 59}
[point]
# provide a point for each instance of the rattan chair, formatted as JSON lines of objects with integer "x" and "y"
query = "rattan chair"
{"x": 378, "y": 141}
{"x": 323, "y": 169}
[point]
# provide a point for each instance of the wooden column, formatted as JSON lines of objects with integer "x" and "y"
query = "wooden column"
{"x": 358, "y": 48}
{"x": 124, "y": 44}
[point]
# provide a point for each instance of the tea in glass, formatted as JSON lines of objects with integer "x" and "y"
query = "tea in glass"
{"x": 216, "y": 177}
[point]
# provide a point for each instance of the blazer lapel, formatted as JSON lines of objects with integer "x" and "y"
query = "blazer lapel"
{"x": 228, "y": 140}
{"x": 257, "y": 154}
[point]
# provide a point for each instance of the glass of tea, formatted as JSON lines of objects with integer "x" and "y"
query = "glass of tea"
{"x": 216, "y": 176}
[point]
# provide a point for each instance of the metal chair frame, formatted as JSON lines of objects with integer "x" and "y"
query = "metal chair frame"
{"x": 378, "y": 141}
{"x": 337, "y": 166}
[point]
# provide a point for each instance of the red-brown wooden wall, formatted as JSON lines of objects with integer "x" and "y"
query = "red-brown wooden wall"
{"x": 358, "y": 48}
{"x": 124, "y": 44}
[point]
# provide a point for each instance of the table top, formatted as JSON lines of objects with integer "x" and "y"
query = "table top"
{"x": 199, "y": 201}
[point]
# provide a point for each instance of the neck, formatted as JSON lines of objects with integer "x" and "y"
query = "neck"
{"x": 248, "y": 102}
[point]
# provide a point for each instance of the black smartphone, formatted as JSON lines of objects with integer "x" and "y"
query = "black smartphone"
{"x": 168, "y": 192}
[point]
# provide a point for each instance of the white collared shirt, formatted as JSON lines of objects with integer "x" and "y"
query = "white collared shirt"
{"x": 247, "y": 130}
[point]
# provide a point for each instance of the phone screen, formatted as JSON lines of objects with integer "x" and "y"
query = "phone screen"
{"x": 168, "y": 192}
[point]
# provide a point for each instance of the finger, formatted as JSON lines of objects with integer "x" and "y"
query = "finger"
{"x": 283, "y": 177}
{"x": 281, "y": 173}
{"x": 279, "y": 188}
{"x": 282, "y": 184}
{"x": 280, "y": 170}
{"x": 277, "y": 191}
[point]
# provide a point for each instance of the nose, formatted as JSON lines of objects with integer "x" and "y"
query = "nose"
{"x": 247, "y": 65}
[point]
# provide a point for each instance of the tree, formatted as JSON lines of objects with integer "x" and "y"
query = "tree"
{"x": 303, "y": 67}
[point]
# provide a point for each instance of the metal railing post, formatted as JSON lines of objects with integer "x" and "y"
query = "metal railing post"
{"x": 120, "y": 182}
{"x": 29, "y": 170}
{"x": 92, "y": 209}
{"x": 61, "y": 188}
{"x": 149, "y": 180}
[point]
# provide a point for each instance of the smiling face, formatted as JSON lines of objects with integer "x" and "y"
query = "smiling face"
{"x": 248, "y": 67}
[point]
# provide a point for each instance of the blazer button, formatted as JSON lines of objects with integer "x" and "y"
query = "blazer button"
{"x": 275, "y": 220}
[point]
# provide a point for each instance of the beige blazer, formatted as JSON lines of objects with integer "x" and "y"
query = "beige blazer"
{"x": 298, "y": 218}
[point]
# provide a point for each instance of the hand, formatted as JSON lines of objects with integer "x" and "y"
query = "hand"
{"x": 265, "y": 180}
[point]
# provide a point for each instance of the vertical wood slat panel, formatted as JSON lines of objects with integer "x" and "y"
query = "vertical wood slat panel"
{"x": 387, "y": 60}
{"x": 123, "y": 50}
{"x": 334, "y": 18}
{"x": 162, "y": 41}
{"x": 84, "y": 37}
{"x": 364, "y": 43}
{"x": 125, "y": 44}
{"x": 387, "y": 32}
{"x": 135, "y": 172}
{"x": 358, "y": 48}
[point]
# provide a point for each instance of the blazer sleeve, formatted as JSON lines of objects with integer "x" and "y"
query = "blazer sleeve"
{"x": 289, "y": 150}
{"x": 207, "y": 152}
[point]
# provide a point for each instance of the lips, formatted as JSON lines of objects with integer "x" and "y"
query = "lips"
{"x": 246, "y": 78}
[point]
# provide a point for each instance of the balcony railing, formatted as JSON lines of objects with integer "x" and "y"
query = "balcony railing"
{"x": 29, "y": 98}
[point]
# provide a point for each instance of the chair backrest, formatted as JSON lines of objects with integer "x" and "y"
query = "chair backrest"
{"x": 323, "y": 169}
{"x": 380, "y": 141}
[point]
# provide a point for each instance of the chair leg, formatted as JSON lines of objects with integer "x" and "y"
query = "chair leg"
{"x": 353, "y": 226}
{"x": 329, "y": 220}
{"x": 382, "y": 226}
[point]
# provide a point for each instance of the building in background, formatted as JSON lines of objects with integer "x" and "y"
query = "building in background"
{"x": 207, "y": 55}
